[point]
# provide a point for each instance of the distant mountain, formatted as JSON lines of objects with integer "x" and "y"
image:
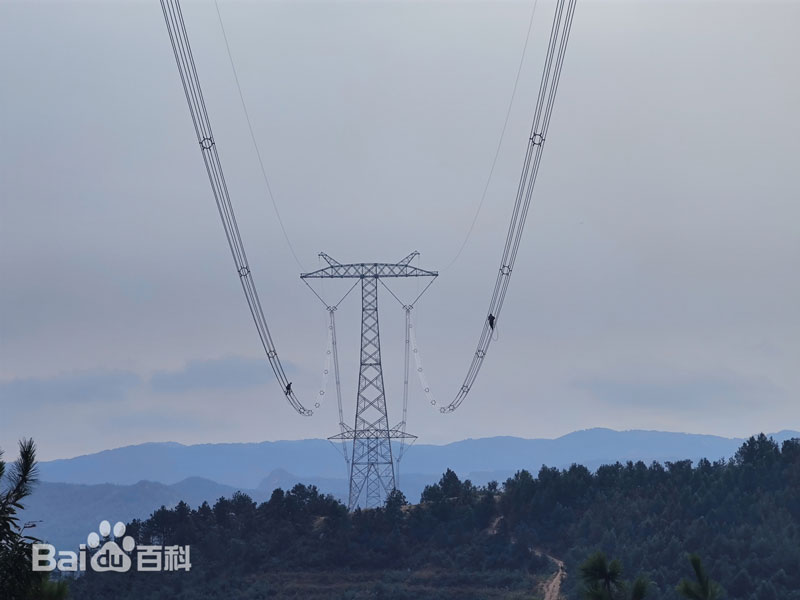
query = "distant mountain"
{"x": 65, "y": 513}
{"x": 281, "y": 478}
{"x": 246, "y": 465}
{"x": 238, "y": 465}
{"x": 119, "y": 485}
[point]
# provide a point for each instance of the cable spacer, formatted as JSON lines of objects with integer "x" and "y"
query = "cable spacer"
{"x": 537, "y": 139}
{"x": 272, "y": 354}
{"x": 480, "y": 354}
{"x": 505, "y": 270}
{"x": 244, "y": 271}
{"x": 206, "y": 143}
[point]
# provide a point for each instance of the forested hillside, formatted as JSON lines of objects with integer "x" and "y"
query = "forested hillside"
{"x": 741, "y": 516}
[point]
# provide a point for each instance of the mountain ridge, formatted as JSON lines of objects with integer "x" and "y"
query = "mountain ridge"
{"x": 246, "y": 464}
{"x": 74, "y": 494}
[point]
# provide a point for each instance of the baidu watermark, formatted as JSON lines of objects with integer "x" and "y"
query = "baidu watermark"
{"x": 114, "y": 555}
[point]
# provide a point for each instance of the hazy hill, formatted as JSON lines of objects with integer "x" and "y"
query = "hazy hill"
{"x": 65, "y": 513}
{"x": 131, "y": 482}
{"x": 246, "y": 465}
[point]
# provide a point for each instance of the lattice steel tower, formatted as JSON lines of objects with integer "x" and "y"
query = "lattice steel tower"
{"x": 371, "y": 464}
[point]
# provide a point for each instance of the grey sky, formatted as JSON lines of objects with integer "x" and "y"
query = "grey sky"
{"x": 656, "y": 285}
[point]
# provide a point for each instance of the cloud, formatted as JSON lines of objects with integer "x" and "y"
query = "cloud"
{"x": 76, "y": 387}
{"x": 223, "y": 373}
{"x": 157, "y": 420}
{"x": 653, "y": 239}
{"x": 695, "y": 392}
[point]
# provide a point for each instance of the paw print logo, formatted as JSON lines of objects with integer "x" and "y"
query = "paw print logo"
{"x": 110, "y": 557}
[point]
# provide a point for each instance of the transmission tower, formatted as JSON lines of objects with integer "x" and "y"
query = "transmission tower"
{"x": 372, "y": 466}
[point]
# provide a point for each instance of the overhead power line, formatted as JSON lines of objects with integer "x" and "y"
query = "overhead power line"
{"x": 499, "y": 141}
{"x": 255, "y": 143}
{"x": 202, "y": 126}
{"x": 548, "y": 87}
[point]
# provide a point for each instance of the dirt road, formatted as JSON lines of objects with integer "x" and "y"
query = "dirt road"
{"x": 552, "y": 587}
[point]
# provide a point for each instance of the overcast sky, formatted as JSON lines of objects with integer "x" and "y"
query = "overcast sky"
{"x": 656, "y": 286}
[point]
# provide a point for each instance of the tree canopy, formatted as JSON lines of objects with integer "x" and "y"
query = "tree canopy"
{"x": 464, "y": 541}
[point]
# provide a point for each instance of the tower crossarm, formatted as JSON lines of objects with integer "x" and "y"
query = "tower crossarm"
{"x": 364, "y": 434}
{"x": 360, "y": 270}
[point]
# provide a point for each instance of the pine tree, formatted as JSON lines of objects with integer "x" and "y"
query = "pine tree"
{"x": 702, "y": 589}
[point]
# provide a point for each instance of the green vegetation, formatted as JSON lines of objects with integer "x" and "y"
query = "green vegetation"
{"x": 603, "y": 580}
{"x": 704, "y": 588}
{"x": 17, "y": 579}
{"x": 462, "y": 541}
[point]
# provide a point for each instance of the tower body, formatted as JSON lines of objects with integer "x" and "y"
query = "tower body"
{"x": 372, "y": 465}
{"x": 372, "y": 468}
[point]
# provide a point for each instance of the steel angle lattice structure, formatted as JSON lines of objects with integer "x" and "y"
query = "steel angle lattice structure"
{"x": 372, "y": 466}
